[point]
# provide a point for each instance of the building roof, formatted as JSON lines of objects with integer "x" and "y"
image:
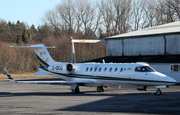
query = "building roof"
{"x": 134, "y": 59}
{"x": 169, "y": 28}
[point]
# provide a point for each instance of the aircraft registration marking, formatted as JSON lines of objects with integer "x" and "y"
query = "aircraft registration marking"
{"x": 57, "y": 67}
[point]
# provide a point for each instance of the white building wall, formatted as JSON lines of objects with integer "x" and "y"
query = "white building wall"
{"x": 165, "y": 69}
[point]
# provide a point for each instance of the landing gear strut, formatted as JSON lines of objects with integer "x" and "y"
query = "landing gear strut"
{"x": 158, "y": 92}
{"x": 76, "y": 90}
{"x": 100, "y": 89}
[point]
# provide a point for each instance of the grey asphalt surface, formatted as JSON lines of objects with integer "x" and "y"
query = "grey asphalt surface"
{"x": 46, "y": 99}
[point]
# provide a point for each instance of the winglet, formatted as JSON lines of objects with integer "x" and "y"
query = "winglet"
{"x": 9, "y": 76}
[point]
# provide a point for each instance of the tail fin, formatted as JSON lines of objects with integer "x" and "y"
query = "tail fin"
{"x": 42, "y": 54}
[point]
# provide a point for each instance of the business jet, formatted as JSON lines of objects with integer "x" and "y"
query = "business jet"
{"x": 99, "y": 75}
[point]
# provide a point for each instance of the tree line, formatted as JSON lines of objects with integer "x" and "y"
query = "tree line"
{"x": 110, "y": 17}
{"x": 81, "y": 19}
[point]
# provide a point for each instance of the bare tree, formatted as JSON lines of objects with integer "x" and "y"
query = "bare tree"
{"x": 175, "y": 6}
{"x": 62, "y": 17}
{"x": 86, "y": 14}
{"x": 150, "y": 13}
{"x": 167, "y": 15}
{"x": 67, "y": 14}
{"x": 51, "y": 18}
{"x": 138, "y": 14}
{"x": 106, "y": 10}
{"x": 122, "y": 15}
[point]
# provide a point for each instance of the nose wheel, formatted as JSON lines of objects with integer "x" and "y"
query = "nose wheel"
{"x": 158, "y": 92}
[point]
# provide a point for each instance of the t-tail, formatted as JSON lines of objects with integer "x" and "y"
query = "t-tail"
{"x": 42, "y": 54}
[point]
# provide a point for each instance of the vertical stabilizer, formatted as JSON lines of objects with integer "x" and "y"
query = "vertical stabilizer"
{"x": 43, "y": 55}
{"x": 73, "y": 52}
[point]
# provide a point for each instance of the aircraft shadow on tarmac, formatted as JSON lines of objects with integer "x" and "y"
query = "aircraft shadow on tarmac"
{"x": 133, "y": 103}
{"x": 168, "y": 103}
{"x": 142, "y": 103}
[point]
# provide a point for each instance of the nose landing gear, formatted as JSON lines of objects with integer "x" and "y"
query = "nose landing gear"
{"x": 158, "y": 92}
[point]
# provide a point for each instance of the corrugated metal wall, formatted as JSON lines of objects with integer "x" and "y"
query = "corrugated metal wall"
{"x": 144, "y": 46}
{"x": 152, "y": 45}
{"x": 148, "y": 45}
{"x": 114, "y": 47}
{"x": 173, "y": 44}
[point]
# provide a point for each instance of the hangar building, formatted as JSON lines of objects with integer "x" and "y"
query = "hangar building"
{"x": 159, "y": 46}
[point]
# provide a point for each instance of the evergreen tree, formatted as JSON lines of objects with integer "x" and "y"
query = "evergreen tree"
{"x": 18, "y": 22}
{"x": 33, "y": 29}
{"x": 24, "y": 36}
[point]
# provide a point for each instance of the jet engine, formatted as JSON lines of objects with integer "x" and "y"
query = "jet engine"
{"x": 69, "y": 67}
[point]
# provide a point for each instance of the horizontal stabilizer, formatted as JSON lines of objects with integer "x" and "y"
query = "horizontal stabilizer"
{"x": 52, "y": 82}
{"x": 44, "y": 82}
{"x": 32, "y": 46}
{"x": 42, "y": 72}
{"x": 88, "y": 41}
{"x": 23, "y": 47}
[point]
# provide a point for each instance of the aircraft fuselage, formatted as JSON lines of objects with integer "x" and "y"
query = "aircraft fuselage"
{"x": 112, "y": 73}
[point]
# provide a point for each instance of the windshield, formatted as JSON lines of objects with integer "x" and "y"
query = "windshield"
{"x": 143, "y": 69}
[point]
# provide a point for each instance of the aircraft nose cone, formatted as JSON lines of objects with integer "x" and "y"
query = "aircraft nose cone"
{"x": 169, "y": 79}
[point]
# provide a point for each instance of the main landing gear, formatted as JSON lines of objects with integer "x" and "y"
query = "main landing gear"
{"x": 76, "y": 90}
{"x": 158, "y": 92}
{"x": 100, "y": 89}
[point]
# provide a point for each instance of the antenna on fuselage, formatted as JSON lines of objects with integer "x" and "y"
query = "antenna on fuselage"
{"x": 73, "y": 52}
{"x": 103, "y": 61}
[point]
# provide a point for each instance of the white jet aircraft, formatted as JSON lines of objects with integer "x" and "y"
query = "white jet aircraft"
{"x": 99, "y": 75}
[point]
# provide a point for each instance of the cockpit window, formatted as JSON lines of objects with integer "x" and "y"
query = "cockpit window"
{"x": 143, "y": 69}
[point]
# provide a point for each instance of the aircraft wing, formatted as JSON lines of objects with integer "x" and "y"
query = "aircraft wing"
{"x": 44, "y": 82}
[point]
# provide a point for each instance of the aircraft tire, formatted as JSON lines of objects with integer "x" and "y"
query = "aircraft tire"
{"x": 75, "y": 90}
{"x": 100, "y": 89}
{"x": 158, "y": 92}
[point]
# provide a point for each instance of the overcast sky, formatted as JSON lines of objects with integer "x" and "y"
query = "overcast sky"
{"x": 28, "y": 11}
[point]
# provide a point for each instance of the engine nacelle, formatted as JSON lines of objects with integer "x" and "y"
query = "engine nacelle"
{"x": 69, "y": 67}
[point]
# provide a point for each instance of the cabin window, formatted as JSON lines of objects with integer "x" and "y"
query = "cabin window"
{"x": 115, "y": 69}
{"x": 110, "y": 69}
{"x": 100, "y": 69}
{"x": 143, "y": 69}
{"x": 121, "y": 70}
{"x": 175, "y": 67}
{"x": 105, "y": 69}
{"x": 95, "y": 69}
{"x": 91, "y": 69}
{"x": 87, "y": 69}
